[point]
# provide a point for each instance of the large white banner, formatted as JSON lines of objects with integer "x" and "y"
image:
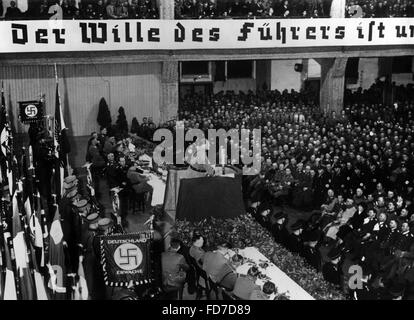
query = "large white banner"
{"x": 98, "y": 35}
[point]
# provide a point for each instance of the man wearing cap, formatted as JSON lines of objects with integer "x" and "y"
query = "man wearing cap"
{"x": 310, "y": 250}
{"x": 330, "y": 270}
{"x": 294, "y": 241}
{"x": 278, "y": 222}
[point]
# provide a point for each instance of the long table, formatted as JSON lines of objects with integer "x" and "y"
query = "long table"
{"x": 282, "y": 281}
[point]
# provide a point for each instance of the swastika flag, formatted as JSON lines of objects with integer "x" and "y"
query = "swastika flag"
{"x": 126, "y": 258}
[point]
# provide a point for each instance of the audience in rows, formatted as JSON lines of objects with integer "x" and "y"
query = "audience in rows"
{"x": 352, "y": 171}
{"x": 380, "y": 9}
{"x": 85, "y": 9}
{"x": 252, "y": 8}
{"x": 207, "y": 9}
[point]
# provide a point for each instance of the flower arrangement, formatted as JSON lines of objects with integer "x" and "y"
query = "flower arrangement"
{"x": 244, "y": 231}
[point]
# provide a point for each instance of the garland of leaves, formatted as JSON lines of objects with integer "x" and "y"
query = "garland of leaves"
{"x": 244, "y": 231}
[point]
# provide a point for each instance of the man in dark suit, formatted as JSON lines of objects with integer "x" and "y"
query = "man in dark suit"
{"x": 278, "y": 226}
{"x": 98, "y": 163}
{"x": 174, "y": 269}
{"x": 294, "y": 240}
{"x": 218, "y": 267}
{"x": 114, "y": 174}
{"x": 310, "y": 251}
{"x": 330, "y": 270}
{"x": 71, "y": 227}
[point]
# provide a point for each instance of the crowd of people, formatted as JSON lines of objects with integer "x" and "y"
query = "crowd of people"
{"x": 380, "y": 9}
{"x": 121, "y": 161}
{"x": 353, "y": 172}
{"x": 85, "y": 9}
{"x": 207, "y": 9}
{"x": 252, "y": 8}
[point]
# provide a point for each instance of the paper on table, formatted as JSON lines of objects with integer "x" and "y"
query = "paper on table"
{"x": 282, "y": 281}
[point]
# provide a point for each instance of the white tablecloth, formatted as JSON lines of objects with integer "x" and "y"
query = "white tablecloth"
{"x": 282, "y": 281}
{"x": 159, "y": 189}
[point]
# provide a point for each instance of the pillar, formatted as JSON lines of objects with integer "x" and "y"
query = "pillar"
{"x": 169, "y": 90}
{"x": 166, "y": 9}
{"x": 338, "y": 8}
{"x": 263, "y": 74}
{"x": 169, "y": 78}
{"x": 332, "y": 87}
{"x": 385, "y": 73}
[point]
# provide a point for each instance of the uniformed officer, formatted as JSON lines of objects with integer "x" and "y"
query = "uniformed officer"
{"x": 174, "y": 268}
{"x": 330, "y": 270}
{"x": 278, "y": 222}
{"x": 294, "y": 240}
{"x": 70, "y": 223}
{"x": 403, "y": 249}
{"x": 310, "y": 250}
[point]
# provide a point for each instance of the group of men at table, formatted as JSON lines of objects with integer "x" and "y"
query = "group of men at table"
{"x": 121, "y": 162}
{"x": 219, "y": 265}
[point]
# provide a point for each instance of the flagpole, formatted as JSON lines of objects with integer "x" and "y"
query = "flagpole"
{"x": 56, "y": 74}
{"x": 68, "y": 167}
{"x": 25, "y": 228}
